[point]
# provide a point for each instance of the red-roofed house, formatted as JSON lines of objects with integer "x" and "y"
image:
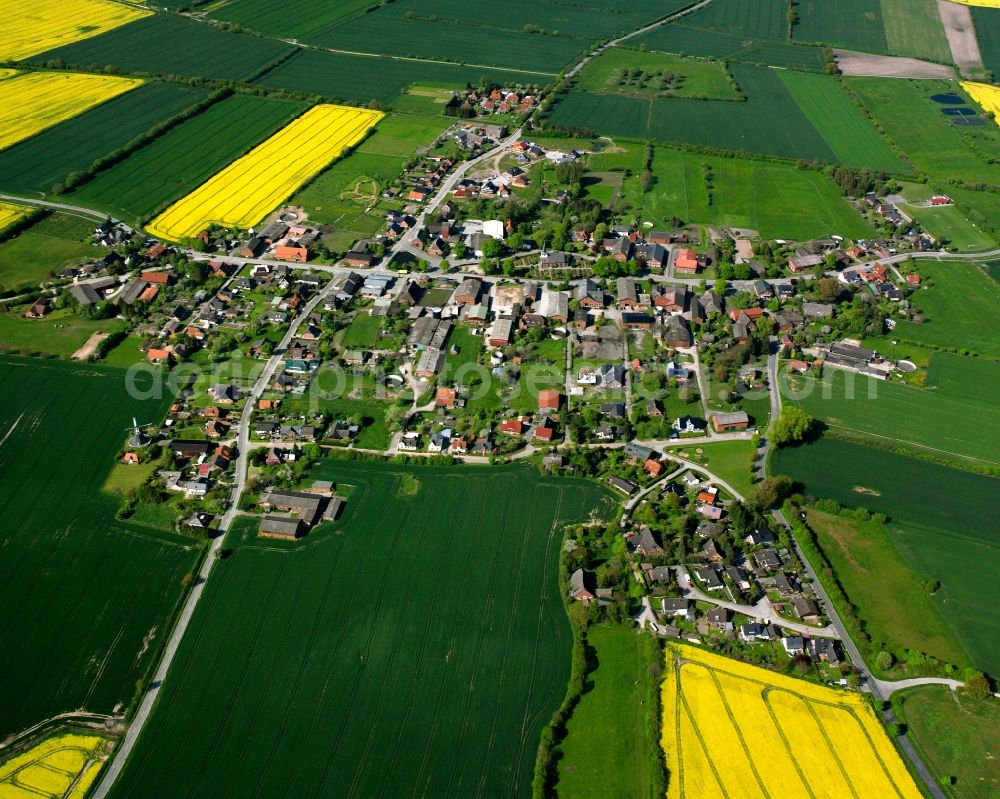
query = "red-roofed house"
{"x": 445, "y": 398}
{"x": 549, "y": 400}
{"x": 686, "y": 261}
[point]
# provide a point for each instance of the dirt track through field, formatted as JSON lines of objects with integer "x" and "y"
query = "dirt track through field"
{"x": 89, "y": 347}
{"x": 961, "y": 33}
{"x": 884, "y": 66}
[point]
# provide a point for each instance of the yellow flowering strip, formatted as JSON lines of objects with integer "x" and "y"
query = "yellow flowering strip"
{"x": 987, "y": 96}
{"x": 244, "y": 192}
{"x": 10, "y": 213}
{"x": 983, "y": 3}
{"x": 35, "y": 26}
{"x": 49, "y": 769}
{"x": 731, "y": 729}
{"x": 38, "y": 100}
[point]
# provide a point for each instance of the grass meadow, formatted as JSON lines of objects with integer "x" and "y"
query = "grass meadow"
{"x": 46, "y": 246}
{"x": 607, "y": 741}
{"x": 88, "y": 599}
{"x": 896, "y": 608}
{"x": 941, "y": 520}
{"x": 844, "y": 128}
{"x": 776, "y": 199}
{"x": 960, "y": 305}
{"x": 946, "y": 223}
{"x": 700, "y": 78}
{"x": 185, "y": 157}
{"x": 418, "y": 645}
{"x": 37, "y": 164}
{"x": 911, "y": 120}
{"x": 957, "y": 737}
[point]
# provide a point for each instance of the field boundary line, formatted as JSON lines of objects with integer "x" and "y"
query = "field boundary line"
{"x": 829, "y": 744}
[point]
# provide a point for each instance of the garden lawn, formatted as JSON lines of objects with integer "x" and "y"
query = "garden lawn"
{"x": 895, "y": 607}
{"x": 607, "y": 746}
{"x": 419, "y": 644}
{"x": 957, "y": 737}
{"x": 88, "y": 598}
{"x": 730, "y": 460}
{"x": 942, "y": 521}
{"x": 961, "y": 308}
{"x": 363, "y": 332}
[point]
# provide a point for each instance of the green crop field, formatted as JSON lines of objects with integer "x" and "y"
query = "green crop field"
{"x": 753, "y": 19}
{"x": 387, "y": 31}
{"x": 905, "y": 416}
{"x": 753, "y": 31}
{"x": 778, "y": 200}
{"x": 854, "y": 24}
{"x": 416, "y": 646}
{"x": 59, "y": 334}
{"x": 697, "y": 78}
{"x": 987, "y": 23}
{"x": 687, "y": 40}
{"x": 46, "y": 246}
{"x": 87, "y": 599}
{"x": 913, "y": 28}
{"x": 942, "y": 521}
{"x": 38, "y": 163}
{"x": 185, "y": 157}
{"x": 914, "y": 122}
{"x": 839, "y": 121}
{"x": 896, "y": 608}
{"x": 364, "y": 78}
{"x": 172, "y": 45}
{"x": 769, "y": 122}
{"x": 961, "y": 308}
{"x": 607, "y": 744}
{"x": 957, "y": 737}
{"x": 295, "y": 18}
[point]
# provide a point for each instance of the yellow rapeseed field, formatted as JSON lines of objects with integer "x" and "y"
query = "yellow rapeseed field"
{"x": 987, "y": 96}
{"x": 49, "y": 769}
{"x": 244, "y": 192}
{"x": 38, "y": 100}
{"x": 10, "y": 213}
{"x": 30, "y": 28}
{"x": 984, "y": 3}
{"x": 734, "y": 730}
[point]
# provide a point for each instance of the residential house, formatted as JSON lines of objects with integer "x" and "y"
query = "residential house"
{"x": 583, "y": 586}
